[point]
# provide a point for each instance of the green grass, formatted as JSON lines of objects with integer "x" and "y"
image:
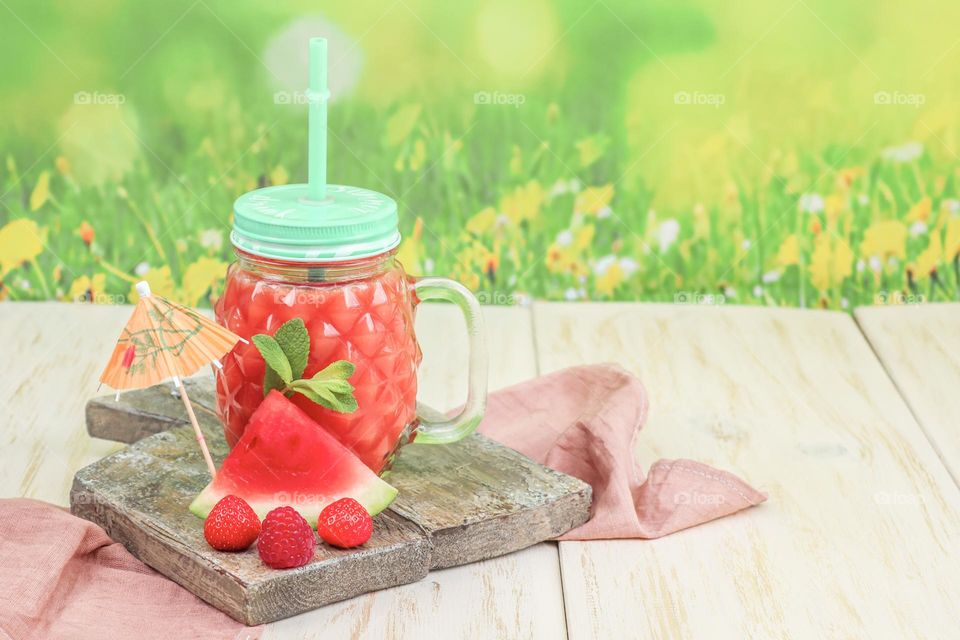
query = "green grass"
{"x": 693, "y": 200}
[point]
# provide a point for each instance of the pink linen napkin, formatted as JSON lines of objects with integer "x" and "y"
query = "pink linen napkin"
{"x": 62, "y": 577}
{"x": 582, "y": 421}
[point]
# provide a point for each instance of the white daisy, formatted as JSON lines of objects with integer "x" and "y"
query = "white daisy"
{"x": 811, "y": 203}
{"x": 629, "y": 266}
{"x": 667, "y": 234}
{"x": 212, "y": 239}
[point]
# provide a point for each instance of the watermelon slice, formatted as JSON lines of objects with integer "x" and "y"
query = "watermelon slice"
{"x": 285, "y": 458}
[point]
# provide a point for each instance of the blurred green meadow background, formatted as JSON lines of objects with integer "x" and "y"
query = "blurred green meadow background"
{"x": 798, "y": 152}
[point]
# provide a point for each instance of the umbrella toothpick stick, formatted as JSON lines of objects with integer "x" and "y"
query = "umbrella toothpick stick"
{"x": 196, "y": 427}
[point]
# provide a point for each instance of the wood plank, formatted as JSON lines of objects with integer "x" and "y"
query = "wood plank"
{"x": 919, "y": 346}
{"x": 861, "y": 535}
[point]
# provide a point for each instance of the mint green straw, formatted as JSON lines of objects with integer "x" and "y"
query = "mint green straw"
{"x": 317, "y": 124}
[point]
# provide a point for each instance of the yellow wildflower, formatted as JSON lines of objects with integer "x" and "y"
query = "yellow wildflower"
{"x": 476, "y": 259}
{"x": 583, "y": 237}
{"x": 408, "y": 254}
{"x": 701, "y": 221}
{"x": 469, "y": 279}
{"x": 523, "y": 203}
{"x": 830, "y": 262}
{"x": 482, "y": 221}
{"x": 41, "y": 192}
{"x": 566, "y": 253}
{"x": 202, "y": 277}
{"x": 609, "y": 280}
{"x": 451, "y": 148}
{"x": 951, "y": 244}
{"x": 161, "y": 283}
{"x": 553, "y": 113}
{"x": 920, "y": 212}
{"x": 85, "y": 289}
{"x": 593, "y": 199}
{"x": 832, "y": 206}
{"x": 885, "y": 239}
{"x": 476, "y": 254}
{"x": 610, "y": 272}
{"x": 789, "y": 252}
{"x": 20, "y": 241}
{"x": 401, "y": 124}
{"x": 419, "y": 155}
{"x": 63, "y": 165}
{"x": 516, "y": 160}
{"x": 279, "y": 176}
{"x": 929, "y": 259}
{"x": 591, "y": 149}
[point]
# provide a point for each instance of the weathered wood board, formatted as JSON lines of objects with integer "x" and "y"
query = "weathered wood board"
{"x": 457, "y": 504}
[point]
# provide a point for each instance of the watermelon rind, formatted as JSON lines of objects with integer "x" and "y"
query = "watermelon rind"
{"x": 375, "y": 498}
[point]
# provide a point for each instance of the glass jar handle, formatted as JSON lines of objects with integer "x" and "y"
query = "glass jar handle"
{"x": 435, "y": 428}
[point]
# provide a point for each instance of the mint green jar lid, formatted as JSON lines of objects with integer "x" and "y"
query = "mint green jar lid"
{"x": 315, "y": 222}
{"x": 284, "y": 223}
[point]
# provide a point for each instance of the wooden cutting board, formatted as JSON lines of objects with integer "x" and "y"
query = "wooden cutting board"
{"x": 457, "y": 504}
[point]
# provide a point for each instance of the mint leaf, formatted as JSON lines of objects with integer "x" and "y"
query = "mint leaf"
{"x": 341, "y": 369}
{"x": 335, "y": 386}
{"x": 329, "y": 387}
{"x": 275, "y": 358}
{"x": 271, "y": 381}
{"x": 293, "y": 338}
{"x": 332, "y": 394}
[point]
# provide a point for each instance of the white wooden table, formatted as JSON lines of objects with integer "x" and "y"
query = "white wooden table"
{"x": 855, "y": 442}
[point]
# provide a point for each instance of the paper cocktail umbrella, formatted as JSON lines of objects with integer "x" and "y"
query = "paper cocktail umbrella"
{"x": 163, "y": 340}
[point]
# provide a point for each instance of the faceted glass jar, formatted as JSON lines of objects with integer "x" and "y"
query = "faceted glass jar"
{"x": 360, "y": 310}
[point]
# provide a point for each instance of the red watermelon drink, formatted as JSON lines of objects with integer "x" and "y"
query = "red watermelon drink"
{"x": 361, "y": 311}
{"x": 325, "y": 254}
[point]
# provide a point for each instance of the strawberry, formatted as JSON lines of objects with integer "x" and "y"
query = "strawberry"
{"x": 231, "y": 525}
{"x": 286, "y": 540}
{"x": 345, "y": 523}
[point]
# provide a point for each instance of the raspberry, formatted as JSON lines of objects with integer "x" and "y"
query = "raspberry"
{"x": 286, "y": 540}
{"x": 231, "y": 525}
{"x": 345, "y": 523}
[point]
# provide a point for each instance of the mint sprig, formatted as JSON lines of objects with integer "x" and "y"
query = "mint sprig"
{"x": 285, "y": 353}
{"x": 330, "y": 388}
